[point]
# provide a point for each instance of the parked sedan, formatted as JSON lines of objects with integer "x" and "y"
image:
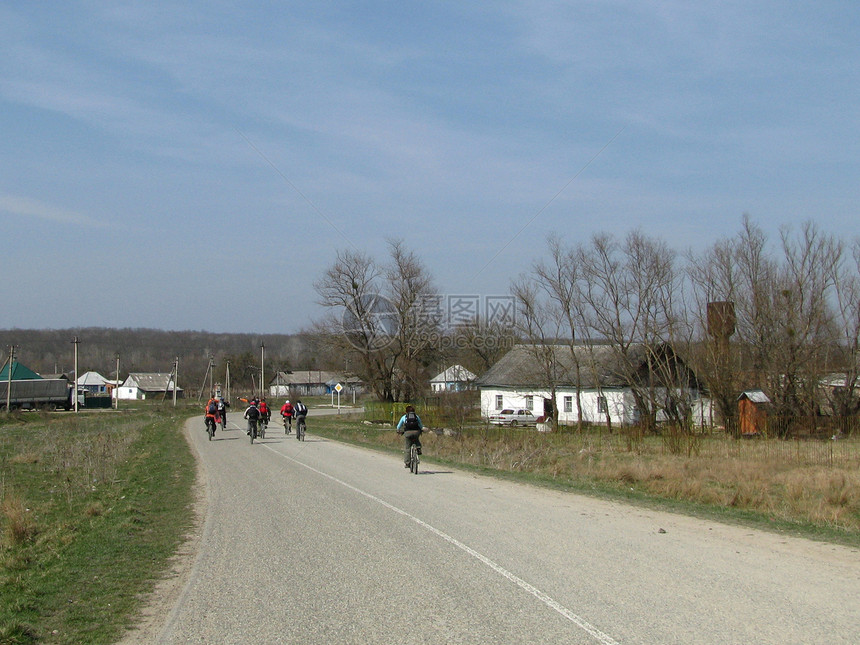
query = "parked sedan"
{"x": 510, "y": 417}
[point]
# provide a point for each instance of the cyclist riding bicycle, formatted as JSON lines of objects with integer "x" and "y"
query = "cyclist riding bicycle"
{"x": 211, "y": 414}
{"x": 300, "y": 411}
{"x": 287, "y": 413}
{"x": 265, "y": 413}
{"x": 252, "y": 414}
{"x": 222, "y": 410}
{"x": 410, "y": 427}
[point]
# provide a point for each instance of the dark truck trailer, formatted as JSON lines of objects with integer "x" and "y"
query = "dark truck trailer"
{"x": 48, "y": 393}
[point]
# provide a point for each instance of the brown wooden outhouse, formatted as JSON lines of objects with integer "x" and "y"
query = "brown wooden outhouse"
{"x": 752, "y": 412}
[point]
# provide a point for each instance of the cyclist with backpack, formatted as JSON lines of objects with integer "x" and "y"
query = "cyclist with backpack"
{"x": 222, "y": 406}
{"x": 410, "y": 427}
{"x": 252, "y": 414}
{"x": 287, "y": 413}
{"x": 300, "y": 411}
{"x": 265, "y": 413}
{"x": 211, "y": 415}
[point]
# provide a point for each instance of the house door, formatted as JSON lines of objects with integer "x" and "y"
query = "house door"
{"x": 547, "y": 408}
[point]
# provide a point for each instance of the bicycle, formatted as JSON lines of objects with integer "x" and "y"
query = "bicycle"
{"x": 301, "y": 426}
{"x": 210, "y": 427}
{"x": 414, "y": 459}
{"x": 288, "y": 425}
{"x": 252, "y": 429}
{"x": 262, "y": 423}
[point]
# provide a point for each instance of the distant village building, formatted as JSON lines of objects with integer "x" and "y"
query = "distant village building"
{"x": 304, "y": 383}
{"x": 454, "y": 379}
{"x": 92, "y": 383}
{"x": 19, "y": 372}
{"x": 147, "y": 385}
{"x": 752, "y": 412}
{"x": 602, "y": 387}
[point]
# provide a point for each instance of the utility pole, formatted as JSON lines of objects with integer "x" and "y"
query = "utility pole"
{"x": 208, "y": 375}
{"x": 227, "y": 381}
{"x": 76, "y": 342}
{"x": 175, "y": 379}
{"x": 262, "y": 370}
{"x": 9, "y": 381}
{"x": 211, "y": 374}
{"x": 116, "y": 387}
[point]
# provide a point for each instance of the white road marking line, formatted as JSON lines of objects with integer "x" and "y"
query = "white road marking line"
{"x": 534, "y": 591}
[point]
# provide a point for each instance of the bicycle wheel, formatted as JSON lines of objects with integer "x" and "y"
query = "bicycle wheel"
{"x": 210, "y": 429}
{"x": 262, "y": 431}
{"x": 413, "y": 459}
{"x": 253, "y": 433}
{"x": 300, "y": 431}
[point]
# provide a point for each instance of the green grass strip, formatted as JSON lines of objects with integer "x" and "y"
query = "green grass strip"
{"x": 94, "y": 506}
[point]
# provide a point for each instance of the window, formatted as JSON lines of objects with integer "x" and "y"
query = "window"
{"x": 530, "y": 402}
{"x": 498, "y": 402}
{"x": 601, "y": 405}
{"x": 568, "y": 404}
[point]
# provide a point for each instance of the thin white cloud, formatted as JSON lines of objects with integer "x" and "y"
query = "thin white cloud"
{"x": 27, "y": 208}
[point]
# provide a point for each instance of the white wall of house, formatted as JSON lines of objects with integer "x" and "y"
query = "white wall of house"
{"x": 129, "y": 393}
{"x": 298, "y": 389}
{"x": 619, "y": 402}
{"x": 703, "y": 411}
{"x": 450, "y": 386}
{"x": 510, "y": 398}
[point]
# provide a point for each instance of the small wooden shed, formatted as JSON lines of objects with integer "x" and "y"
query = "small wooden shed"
{"x": 752, "y": 412}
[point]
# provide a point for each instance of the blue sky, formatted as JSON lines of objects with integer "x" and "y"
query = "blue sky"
{"x": 197, "y": 167}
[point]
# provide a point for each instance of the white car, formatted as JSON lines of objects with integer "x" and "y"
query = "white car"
{"x": 511, "y": 417}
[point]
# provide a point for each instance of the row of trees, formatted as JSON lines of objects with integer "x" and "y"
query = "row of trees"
{"x": 50, "y": 351}
{"x": 790, "y": 316}
{"x": 781, "y": 321}
{"x": 388, "y": 321}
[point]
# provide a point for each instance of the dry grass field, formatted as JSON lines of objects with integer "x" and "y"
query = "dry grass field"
{"x": 809, "y": 484}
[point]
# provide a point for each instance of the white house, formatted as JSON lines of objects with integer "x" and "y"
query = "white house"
{"x": 141, "y": 386}
{"x": 454, "y": 379}
{"x": 305, "y": 383}
{"x": 92, "y": 382}
{"x": 517, "y": 381}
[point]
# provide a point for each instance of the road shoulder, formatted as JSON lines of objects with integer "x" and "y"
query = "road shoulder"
{"x": 158, "y": 604}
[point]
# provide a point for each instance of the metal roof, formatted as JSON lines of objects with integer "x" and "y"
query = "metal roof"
{"x": 306, "y": 377}
{"x": 597, "y": 365}
{"x": 91, "y": 378}
{"x": 756, "y": 396}
{"x": 454, "y": 374}
{"x": 19, "y": 372}
{"x": 149, "y": 382}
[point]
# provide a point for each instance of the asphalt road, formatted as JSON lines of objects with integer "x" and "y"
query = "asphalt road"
{"x": 319, "y": 542}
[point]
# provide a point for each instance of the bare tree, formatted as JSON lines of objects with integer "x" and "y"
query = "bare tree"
{"x": 378, "y": 316}
{"x": 632, "y": 292}
{"x": 539, "y": 326}
{"x": 478, "y": 344}
{"x": 713, "y": 276}
{"x": 561, "y": 281}
{"x": 410, "y": 287}
{"x": 784, "y": 315}
{"x": 803, "y": 329}
{"x": 843, "y": 399}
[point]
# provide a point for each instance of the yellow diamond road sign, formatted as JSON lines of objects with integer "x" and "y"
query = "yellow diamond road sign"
{"x": 338, "y": 387}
